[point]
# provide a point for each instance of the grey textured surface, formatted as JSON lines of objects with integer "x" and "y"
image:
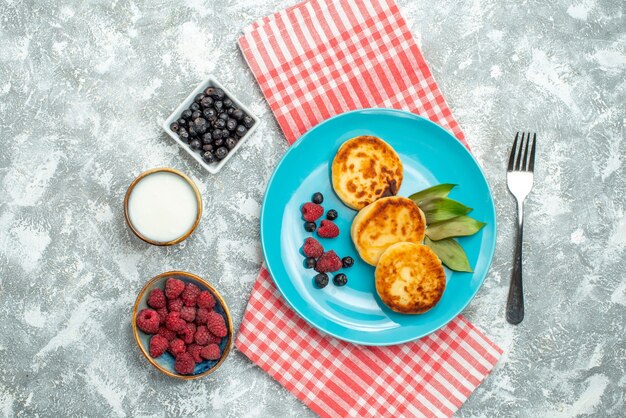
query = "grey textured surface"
{"x": 83, "y": 87}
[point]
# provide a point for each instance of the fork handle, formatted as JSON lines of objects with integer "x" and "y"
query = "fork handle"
{"x": 515, "y": 302}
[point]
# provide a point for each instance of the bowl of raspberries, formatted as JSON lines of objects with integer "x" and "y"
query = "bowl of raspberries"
{"x": 182, "y": 325}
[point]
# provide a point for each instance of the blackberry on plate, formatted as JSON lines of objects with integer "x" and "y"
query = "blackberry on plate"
{"x": 317, "y": 198}
{"x": 309, "y": 226}
{"x": 309, "y": 262}
{"x": 340, "y": 279}
{"x": 221, "y": 153}
{"x": 331, "y": 215}
{"x": 321, "y": 280}
{"x": 347, "y": 261}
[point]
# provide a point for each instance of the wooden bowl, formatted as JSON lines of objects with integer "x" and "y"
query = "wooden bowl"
{"x": 165, "y": 363}
{"x": 198, "y": 200}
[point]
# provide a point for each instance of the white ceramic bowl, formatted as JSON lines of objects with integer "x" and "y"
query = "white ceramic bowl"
{"x": 215, "y": 167}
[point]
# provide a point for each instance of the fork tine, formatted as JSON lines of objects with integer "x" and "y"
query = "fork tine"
{"x": 524, "y": 166}
{"x": 518, "y": 160}
{"x": 512, "y": 156}
{"x": 531, "y": 163}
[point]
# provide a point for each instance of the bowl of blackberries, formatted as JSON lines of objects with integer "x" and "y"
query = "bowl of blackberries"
{"x": 211, "y": 125}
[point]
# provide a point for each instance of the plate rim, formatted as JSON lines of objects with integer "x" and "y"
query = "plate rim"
{"x": 293, "y": 146}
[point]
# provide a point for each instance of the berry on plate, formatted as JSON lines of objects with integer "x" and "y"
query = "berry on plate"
{"x": 173, "y": 288}
{"x": 177, "y": 346}
{"x": 328, "y": 229}
{"x": 184, "y": 363}
{"x": 312, "y": 248}
{"x": 156, "y": 299}
{"x": 340, "y": 279}
{"x": 211, "y": 352}
{"x": 347, "y": 261}
{"x": 317, "y": 198}
{"x": 174, "y": 322}
{"x": 321, "y": 280}
{"x": 148, "y": 321}
{"x": 312, "y": 212}
{"x": 331, "y": 215}
{"x": 205, "y": 300}
{"x": 174, "y": 305}
{"x": 309, "y": 226}
{"x": 328, "y": 262}
{"x": 158, "y": 345}
{"x": 216, "y": 324}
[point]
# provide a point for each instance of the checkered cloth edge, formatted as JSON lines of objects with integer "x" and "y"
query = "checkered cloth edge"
{"x": 312, "y": 61}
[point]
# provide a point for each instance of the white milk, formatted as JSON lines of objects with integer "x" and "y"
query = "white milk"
{"x": 162, "y": 207}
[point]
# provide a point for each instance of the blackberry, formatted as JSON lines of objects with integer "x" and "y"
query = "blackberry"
{"x": 331, "y": 215}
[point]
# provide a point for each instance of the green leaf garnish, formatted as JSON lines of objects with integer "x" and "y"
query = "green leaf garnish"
{"x": 440, "y": 190}
{"x": 451, "y": 253}
{"x": 439, "y": 209}
{"x": 460, "y": 226}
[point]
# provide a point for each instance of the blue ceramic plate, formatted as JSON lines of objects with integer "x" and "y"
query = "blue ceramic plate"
{"x": 355, "y": 313}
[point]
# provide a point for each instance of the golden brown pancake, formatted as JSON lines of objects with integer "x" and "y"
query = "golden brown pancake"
{"x": 410, "y": 278}
{"x": 365, "y": 169}
{"x": 385, "y": 222}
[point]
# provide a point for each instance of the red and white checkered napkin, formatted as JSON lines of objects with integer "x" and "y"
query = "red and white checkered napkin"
{"x": 312, "y": 61}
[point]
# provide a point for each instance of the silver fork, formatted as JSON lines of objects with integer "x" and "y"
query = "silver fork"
{"x": 519, "y": 179}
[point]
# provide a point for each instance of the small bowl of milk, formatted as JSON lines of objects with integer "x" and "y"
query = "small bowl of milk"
{"x": 163, "y": 206}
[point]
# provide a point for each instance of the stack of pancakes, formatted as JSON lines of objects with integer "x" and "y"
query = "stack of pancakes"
{"x": 388, "y": 230}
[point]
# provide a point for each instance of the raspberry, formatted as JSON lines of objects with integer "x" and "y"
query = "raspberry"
{"x": 168, "y": 334}
{"x": 158, "y": 345}
{"x": 174, "y": 305}
{"x": 194, "y": 350}
{"x": 173, "y": 288}
{"x": 328, "y": 229}
{"x": 190, "y": 294}
{"x": 211, "y": 352}
{"x": 328, "y": 262}
{"x": 202, "y": 335}
{"x": 162, "y": 315}
{"x": 202, "y": 314}
{"x": 187, "y": 333}
{"x": 177, "y": 346}
{"x": 156, "y": 299}
{"x": 216, "y": 324}
{"x": 148, "y": 321}
{"x": 184, "y": 364}
{"x": 188, "y": 313}
{"x": 311, "y": 212}
{"x": 312, "y": 248}
{"x": 174, "y": 322}
{"x": 205, "y": 300}
{"x": 214, "y": 339}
